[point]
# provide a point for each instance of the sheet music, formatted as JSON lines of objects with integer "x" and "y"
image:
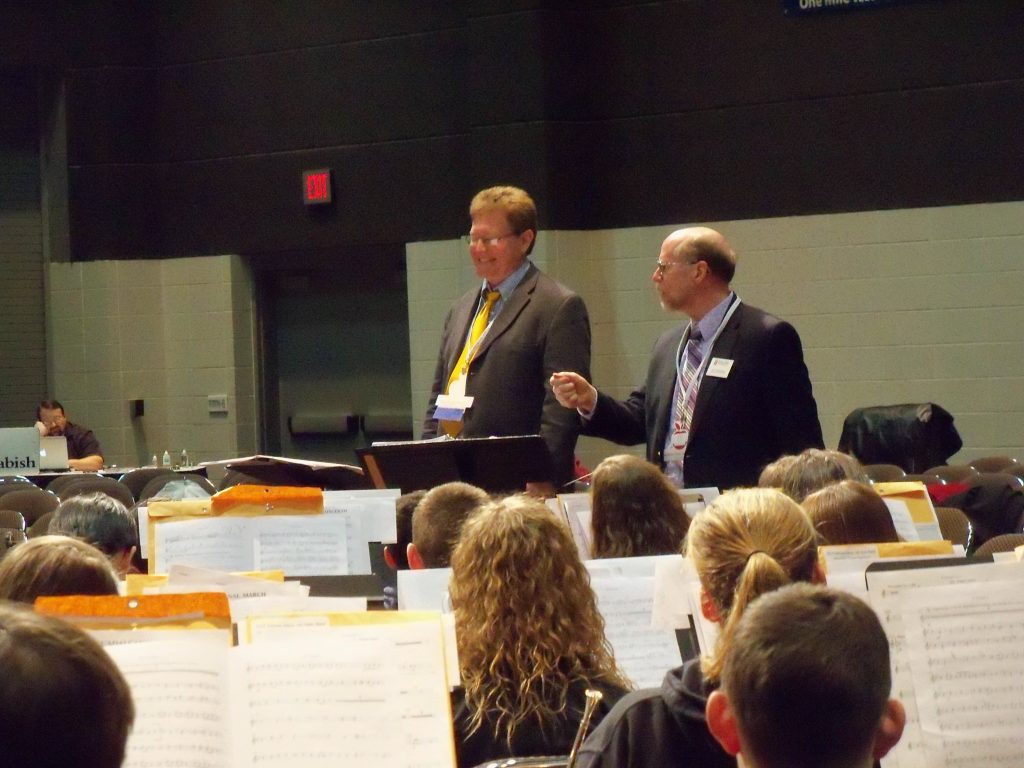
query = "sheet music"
{"x": 181, "y": 704}
{"x": 964, "y": 646}
{"x": 315, "y": 545}
{"x": 642, "y": 652}
{"x": 423, "y": 589}
{"x": 576, "y": 508}
{"x": 899, "y": 511}
{"x": 889, "y": 594}
{"x": 376, "y": 507}
{"x": 224, "y": 543}
{"x": 643, "y": 565}
{"x": 300, "y": 545}
{"x": 672, "y": 579}
{"x": 377, "y": 698}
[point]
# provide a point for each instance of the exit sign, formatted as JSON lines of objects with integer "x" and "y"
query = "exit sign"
{"x": 316, "y": 186}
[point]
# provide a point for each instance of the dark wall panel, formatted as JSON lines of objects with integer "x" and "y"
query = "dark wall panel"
{"x": 611, "y": 113}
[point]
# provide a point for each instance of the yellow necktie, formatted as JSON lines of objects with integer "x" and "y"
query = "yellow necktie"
{"x": 453, "y": 428}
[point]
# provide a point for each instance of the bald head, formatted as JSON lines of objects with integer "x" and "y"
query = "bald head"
{"x": 708, "y": 245}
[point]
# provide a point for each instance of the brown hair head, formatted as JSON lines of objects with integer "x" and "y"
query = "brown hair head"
{"x": 849, "y": 512}
{"x": 808, "y": 678}
{"x": 635, "y": 510}
{"x": 816, "y": 468}
{"x": 63, "y": 700}
{"x": 518, "y": 206}
{"x": 438, "y": 518}
{"x": 55, "y": 565}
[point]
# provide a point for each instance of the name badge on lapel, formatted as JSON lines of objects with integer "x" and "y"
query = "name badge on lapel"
{"x": 719, "y": 367}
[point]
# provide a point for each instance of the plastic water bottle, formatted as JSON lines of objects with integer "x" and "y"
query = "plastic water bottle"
{"x": 153, "y": 461}
{"x": 167, "y": 460}
{"x": 184, "y": 458}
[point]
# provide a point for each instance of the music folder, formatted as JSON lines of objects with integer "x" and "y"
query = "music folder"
{"x": 496, "y": 464}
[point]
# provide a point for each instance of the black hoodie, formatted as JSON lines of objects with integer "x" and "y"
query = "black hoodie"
{"x": 658, "y": 727}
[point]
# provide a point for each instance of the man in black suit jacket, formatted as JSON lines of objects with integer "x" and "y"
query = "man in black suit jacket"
{"x": 752, "y": 399}
{"x": 537, "y": 327}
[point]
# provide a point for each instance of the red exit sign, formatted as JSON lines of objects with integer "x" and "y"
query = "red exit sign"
{"x": 316, "y": 186}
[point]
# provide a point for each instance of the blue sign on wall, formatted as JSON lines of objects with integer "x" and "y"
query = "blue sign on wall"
{"x": 808, "y": 7}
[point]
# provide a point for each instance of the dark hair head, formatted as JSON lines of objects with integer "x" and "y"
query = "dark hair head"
{"x": 808, "y": 677}
{"x": 404, "y": 508}
{"x": 98, "y": 519}
{"x": 63, "y": 701}
{"x": 635, "y": 510}
{"x": 438, "y": 518}
{"x": 849, "y": 512}
{"x": 53, "y": 566}
{"x": 50, "y": 405}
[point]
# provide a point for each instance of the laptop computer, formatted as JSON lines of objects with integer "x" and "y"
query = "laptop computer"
{"x": 53, "y": 453}
{"x": 19, "y": 451}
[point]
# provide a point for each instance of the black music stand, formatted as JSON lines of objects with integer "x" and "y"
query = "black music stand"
{"x": 496, "y": 464}
{"x": 276, "y": 470}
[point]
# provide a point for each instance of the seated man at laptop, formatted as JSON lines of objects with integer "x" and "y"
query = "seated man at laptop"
{"x": 84, "y": 451}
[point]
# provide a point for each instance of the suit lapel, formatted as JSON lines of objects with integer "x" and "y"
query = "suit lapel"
{"x": 723, "y": 347}
{"x": 513, "y": 307}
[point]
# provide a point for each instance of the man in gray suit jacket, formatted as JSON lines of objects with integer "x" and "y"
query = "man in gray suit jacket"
{"x": 725, "y": 394}
{"x": 533, "y": 329}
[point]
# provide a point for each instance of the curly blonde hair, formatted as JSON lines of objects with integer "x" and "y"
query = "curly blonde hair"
{"x": 748, "y": 542}
{"x": 635, "y": 510}
{"x": 526, "y": 618}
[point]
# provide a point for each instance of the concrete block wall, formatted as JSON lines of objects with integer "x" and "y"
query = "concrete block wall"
{"x": 896, "y": 306}
{"x": 169, "y": 332}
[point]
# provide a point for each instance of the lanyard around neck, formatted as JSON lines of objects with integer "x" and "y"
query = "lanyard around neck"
{"x": 699, "y": 373}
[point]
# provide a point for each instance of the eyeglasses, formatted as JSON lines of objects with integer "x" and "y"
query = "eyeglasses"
{"x": 661, "y": 267}
{"x": 487, "y": 242}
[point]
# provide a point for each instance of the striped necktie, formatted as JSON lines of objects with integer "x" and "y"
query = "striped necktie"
{"x": 483, "y": 315}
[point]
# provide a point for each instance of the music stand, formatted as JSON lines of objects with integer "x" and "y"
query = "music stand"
{"x": 496, "y": 464}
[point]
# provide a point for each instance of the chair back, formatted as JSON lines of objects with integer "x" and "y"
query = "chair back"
{"x": 136, "y": 479}
{"x": 884, "y": 473}
{"x": 924, "y": 477}
{"x": 98, "y": 484}
{"x": 31, "y": 502}
{"x": 1006, "y": 542}
{"x": 955, "y": 526}
{"x": 60, "y": 482}
{"x": 12, "y": 518}
{"x": 953, "y": 473}
{"x": 178, "y": 486}
{"x": 40, "y": 527}
{"x": 993, "y": 463}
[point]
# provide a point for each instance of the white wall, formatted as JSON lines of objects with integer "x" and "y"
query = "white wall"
{"x": 898, "y": 306}
{"x": 168, "y": 331}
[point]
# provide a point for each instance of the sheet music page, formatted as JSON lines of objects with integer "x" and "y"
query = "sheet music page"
{"x": 886, "y": 593}
{"x": 642, "y": 652}
{"x": 376, "y": 507}
{"x": 143, "y": 518}
{"x": 963, "y": 643}
{"x": 181, "y": 704}
{"x": 423, "y": 590}
{"x": 643, "y": 565}
{"x": 359, "y": 697}
{"x": 578, "y": 515}
{"x": 899, "y": 511}
{"x": 242, "y": 608}
{"x": 301, "y": 545}
{"x": 672, "y": 579}
{"x": 357, "y": 541}
{"x": 224, "y": 543}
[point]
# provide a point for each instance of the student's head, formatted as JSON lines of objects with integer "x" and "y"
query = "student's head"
{"x": 396, "y": 555}
{"x": 850, "y": 513}
{"x": 774, "y": 475}
{"x": 745, "y": 543}
{"x": 62, "y": 701}
{"x": 635, "y": 510}
{"x": 101, "y": 521}
{"x": 52, "y": 566}
{"x": 815, "y": 469}
{"x": 807, "y": 684}
{"x": 526, "y": 617}
{"x": 437, "y": 520}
